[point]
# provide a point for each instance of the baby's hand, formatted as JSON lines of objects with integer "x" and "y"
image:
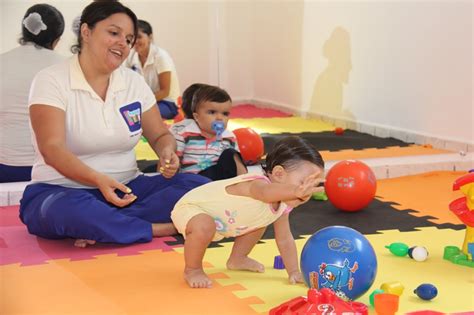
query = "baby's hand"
{"x": 309, "y": 187}
{"x": 295, "y": 277}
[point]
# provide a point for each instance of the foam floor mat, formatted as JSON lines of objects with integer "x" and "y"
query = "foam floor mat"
{"x": 52, "y": 277}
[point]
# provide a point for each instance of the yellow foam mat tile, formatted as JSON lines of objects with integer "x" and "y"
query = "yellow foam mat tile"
{"x": 150, "y": 283}
{"x": 455, "y": 283}
{"x": 281, "y": 125}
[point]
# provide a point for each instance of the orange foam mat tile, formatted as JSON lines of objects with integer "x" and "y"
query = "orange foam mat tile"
{"x": 380, "y": 153}
{"x": 428, "y": 193}
{"x": 151, "y": 283}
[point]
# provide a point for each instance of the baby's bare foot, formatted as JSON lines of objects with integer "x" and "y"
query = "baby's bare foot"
{"x": 245, "y": 263}
{"x": 83, "y": 243}
{"x": 197, "y": 278}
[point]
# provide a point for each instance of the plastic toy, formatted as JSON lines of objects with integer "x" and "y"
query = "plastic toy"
{"x": 464, "y": 209}
{"x": 218, "y": 127}
{"x": 250, "y": 145}
{"x": 393, "y": 287}
{"x": 350, "y": 185}
{"x": 426, "y": 291}
{"x": 373, "y": 294}
{"x": 386, "y": 303}
{"x": 319, "y": 303}
{"x": 398, "y": 249}
{"x": 341, "y": 259}
{"x": 418, "y": 253}
{"x": 278, "y": 263}
{"x": 320, "y": 196}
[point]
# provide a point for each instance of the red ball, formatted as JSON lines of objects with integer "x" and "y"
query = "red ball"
{"x": 339, "y": 131}
{"x": 250, "y": 145}
{"x": 350, "y": 185}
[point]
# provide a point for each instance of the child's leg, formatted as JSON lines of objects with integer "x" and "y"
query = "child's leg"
{"x": 243, "y": 244}
{"x": 239, "y": 164}
{"x": 200, "y": 231}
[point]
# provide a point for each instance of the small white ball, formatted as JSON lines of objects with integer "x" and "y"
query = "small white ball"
{"x": 418, "y": 253}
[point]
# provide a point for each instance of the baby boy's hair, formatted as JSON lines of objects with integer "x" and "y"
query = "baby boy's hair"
{"x": 188, "y": 98}
{"x": 288, "y": 151}
{"x": 209, "y": 93}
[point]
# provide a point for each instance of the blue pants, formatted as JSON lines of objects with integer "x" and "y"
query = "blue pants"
{"x": 57, "y": 212}
{"x": 168, "y": 110}
{"x": 10, "y": 173}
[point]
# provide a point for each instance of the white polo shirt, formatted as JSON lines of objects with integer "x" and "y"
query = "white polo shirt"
{"x": 18, "y": 67}
{"x": 158, "y": 61}
{"x": 102, "y": 134}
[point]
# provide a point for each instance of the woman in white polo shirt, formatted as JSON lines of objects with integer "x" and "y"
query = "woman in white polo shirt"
{"x": 158, "y": 69}
{"x": 42, "y": 26}
{"x": 88, "y": 113}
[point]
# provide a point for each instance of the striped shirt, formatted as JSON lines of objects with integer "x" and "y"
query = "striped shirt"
{"x": 197, "y": 152}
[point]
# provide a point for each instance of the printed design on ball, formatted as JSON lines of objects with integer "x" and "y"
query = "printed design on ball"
{"x": 341, "y": 245}
{"x": 346, "y": 182}
{"x": 335, "y": 277}
{"x": 132, "y": 114}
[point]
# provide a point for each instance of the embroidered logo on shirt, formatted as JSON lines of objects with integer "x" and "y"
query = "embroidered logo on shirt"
{"x": 132, "y": 114}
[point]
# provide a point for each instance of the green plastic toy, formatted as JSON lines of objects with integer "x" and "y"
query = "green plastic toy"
{"x": 398, "y": 249}
{"x": 320, "y": 196}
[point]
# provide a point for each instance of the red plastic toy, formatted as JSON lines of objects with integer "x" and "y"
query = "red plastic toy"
{"x": 320, "y": 302}
{"x": 350, "y": 185}
{"x": 250, "y": 145}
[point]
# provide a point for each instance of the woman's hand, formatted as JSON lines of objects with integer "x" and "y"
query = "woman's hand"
{"x": 168, "y": 164}
{"x": 295, "y": 277}
{"x": 107, "y": 187}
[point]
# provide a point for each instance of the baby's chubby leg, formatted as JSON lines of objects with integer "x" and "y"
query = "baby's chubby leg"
{"x": 243, "y": 245}
{"x": 199, "y": 233}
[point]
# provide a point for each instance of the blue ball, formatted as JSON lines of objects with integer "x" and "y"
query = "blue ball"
{"x": 341, "y": 259}
{"x": 426, "y": 291}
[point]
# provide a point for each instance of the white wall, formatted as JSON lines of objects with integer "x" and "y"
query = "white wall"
{"x": 400, "y": 64}
{"x": 186, "y": 29}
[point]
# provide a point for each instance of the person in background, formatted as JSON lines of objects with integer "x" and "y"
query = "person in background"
{"x": 88, "y": 113}
{"x": 158, "y": 69}
{"x": 42, "y": 27}
{"x": 205, "y": 146}
{"x": 243, "y": 206}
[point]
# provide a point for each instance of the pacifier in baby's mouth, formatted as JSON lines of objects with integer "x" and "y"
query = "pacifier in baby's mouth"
{"x": 218, "y": 127}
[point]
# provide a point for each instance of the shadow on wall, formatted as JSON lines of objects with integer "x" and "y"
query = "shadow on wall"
{"x": 327, "y": 98}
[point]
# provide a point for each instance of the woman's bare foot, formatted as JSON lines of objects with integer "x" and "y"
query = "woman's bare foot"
{"x": 197, "y": 278}
{"x": 83, "y": 243}
{"x": 244, "y": 263}
{"x": 163, "y": 229}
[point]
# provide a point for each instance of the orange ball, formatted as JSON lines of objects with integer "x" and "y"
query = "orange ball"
{"x": 350, "y": 185}
{"x": 250, "y": 145}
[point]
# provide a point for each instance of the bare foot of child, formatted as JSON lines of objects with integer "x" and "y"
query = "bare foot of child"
{"x": 197, "y": 278}
{"x": 83, "y": 243}
{"x": 245, "y": 263}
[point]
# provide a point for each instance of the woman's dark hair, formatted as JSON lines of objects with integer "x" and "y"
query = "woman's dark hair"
{"x": 188, "y": 98}
{"x": 288, "y": 151}
{"x": 101, "y": 10}
{"x": 32, "y": 22}
{"x": 209, "y": 93}
{"x": 145, "y": 27}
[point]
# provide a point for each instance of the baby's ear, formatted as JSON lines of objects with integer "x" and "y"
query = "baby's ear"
{"x": 278, "y": 172}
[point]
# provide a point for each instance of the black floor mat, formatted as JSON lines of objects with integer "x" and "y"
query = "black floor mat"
{"x": 323, "y": 141}
{"x": 315, "y": 215}
{"x": 329, "y": 141}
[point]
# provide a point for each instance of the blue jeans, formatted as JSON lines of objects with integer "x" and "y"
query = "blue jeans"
{"x": 168, "y": 110}
{"x": 57, "y": 212}
{"x": 10, "y": 173}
